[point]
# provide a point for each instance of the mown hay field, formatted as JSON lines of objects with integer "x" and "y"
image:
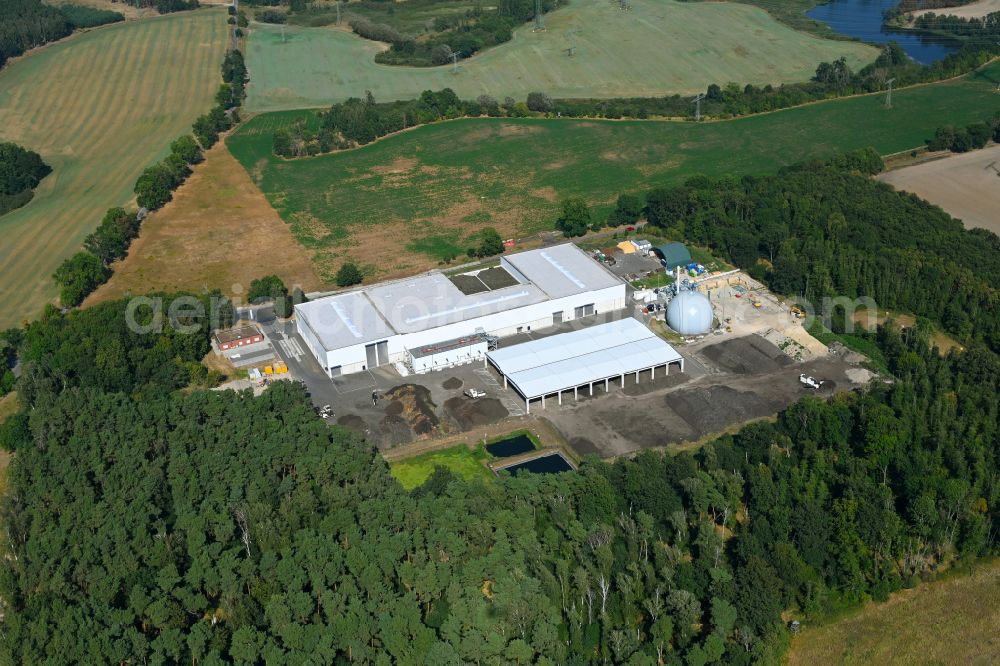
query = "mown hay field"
{"x": 402, "y": 203}
{"x": 658, "y": 47}
{"x": 951, "y": 621}
{"x": 967, "y": 186}
{"x": 99, "y": 107}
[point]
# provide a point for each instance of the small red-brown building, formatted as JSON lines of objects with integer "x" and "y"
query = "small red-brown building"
{"x": 238, "y": 337}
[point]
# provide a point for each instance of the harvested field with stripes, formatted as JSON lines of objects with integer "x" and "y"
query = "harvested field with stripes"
{"x": 99, "y": 107}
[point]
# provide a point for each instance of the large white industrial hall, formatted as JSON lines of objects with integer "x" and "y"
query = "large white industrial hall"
{"x": 581, "y": 359}
{"x": 434, "y": 320}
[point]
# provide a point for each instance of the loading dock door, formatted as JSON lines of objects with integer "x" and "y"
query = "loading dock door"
{"x": 557, "y": 318}
{"x": 377, "y": 353}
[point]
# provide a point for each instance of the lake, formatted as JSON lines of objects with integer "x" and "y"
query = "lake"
{"x": 862, "y": 19}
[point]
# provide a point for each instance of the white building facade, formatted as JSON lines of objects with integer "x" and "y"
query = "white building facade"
{"x": 428, "y": 321}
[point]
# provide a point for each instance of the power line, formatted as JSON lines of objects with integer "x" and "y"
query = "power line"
{"x": 888, "y": 94}
{"x": 697, "y": 106}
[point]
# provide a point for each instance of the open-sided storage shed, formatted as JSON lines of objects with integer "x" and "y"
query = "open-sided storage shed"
{"x": 582, "y": 358}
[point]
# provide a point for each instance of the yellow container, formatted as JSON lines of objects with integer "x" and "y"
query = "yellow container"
{"x": 268, "y": 370}
{"x": 281, "y": 368}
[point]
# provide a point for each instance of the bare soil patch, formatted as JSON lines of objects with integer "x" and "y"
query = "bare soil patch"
{"x": 509, "y": 129}
{"x": 749, "y": 355}
{"x": 469, "y": 413}
{"x": 398, "y": 165}
{"x": 966, "y": 186}
{"x": 218, "y": 232}
{"x": 452, "y": 383}
{"x": 416, "y": 411}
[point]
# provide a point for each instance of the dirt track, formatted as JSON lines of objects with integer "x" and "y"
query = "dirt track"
{"x": 725, "y": 384}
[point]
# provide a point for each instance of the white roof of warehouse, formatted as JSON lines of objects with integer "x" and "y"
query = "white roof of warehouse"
{"x": 561, "y": 362}
{"x": 432, "y": 300}
{"x": 344, "y": 320}
{"x": 562, "y": 270}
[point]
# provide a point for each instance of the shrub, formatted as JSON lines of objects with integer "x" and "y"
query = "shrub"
{"x": 272, "y": 16}
{"x": 575, "y": 218}
{"x": 348, "y": 274}
{"x": 627, "y": 210}
{"x": 271, "y": 288}
{"x": 540, "y": 102}
{"x": 78, "y": 276}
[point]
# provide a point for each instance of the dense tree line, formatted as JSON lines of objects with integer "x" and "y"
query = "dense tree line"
{"x": 150, "y": 525}
{"x": 170, "y": 6}
{"x": 826, "y": 230}
{"x": 917, "y": 5}
{"x": 978, "y": 29}
{"x": 964, "y": 139}
{"x": 9, "y": 342}
{"x": 361, "y": 120}
{"x": 900, "y": 13}
{"x": 30, "y": 23}
{"x": 358, "y": 121}
{"x": 20, "y": 172}
{"x": 831, "y": 80}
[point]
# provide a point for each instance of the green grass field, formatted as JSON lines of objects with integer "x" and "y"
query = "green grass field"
{"x": 658, "y": 47}
{"x": 99, "y": 107}
{"x": 462, "y": 461}
{"x": 446, "y": 180}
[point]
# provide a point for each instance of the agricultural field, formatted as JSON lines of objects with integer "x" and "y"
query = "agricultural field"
{"x": 99, "y": 107}
{"x": 972, "y": 10}
{"x": 967, "y": 186}
{"x": 218, "y": 232}
{"x": 951, "y": 621}
{"x": 430, "y": 189}
{"x": 461, "y": 460}
{"x": 659, "y": 46}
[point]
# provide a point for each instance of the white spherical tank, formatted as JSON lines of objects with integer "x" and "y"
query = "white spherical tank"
{"x": 690, "y": 313}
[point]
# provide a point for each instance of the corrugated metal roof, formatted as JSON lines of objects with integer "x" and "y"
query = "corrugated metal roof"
{"x": 560, "y": 362}
{"x": 562, "y": 270}
{"x": 344, "y": 320}
{"x": 429, "y": 301}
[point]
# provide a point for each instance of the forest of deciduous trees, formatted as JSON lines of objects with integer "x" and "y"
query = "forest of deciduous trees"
{"x": 826, "y": 230}
{"x": 30, "y": 23}
{"x": 462, "y": 33}
{"x": 214, "y": 527}
{"x": 146, "y": 524}
{"x": 20, "y": 172}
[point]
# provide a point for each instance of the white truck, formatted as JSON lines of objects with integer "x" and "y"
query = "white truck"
{"x": 810, "y": 382}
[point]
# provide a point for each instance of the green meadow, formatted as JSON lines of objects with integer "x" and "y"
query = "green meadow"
{"x": 429, "y": 188}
